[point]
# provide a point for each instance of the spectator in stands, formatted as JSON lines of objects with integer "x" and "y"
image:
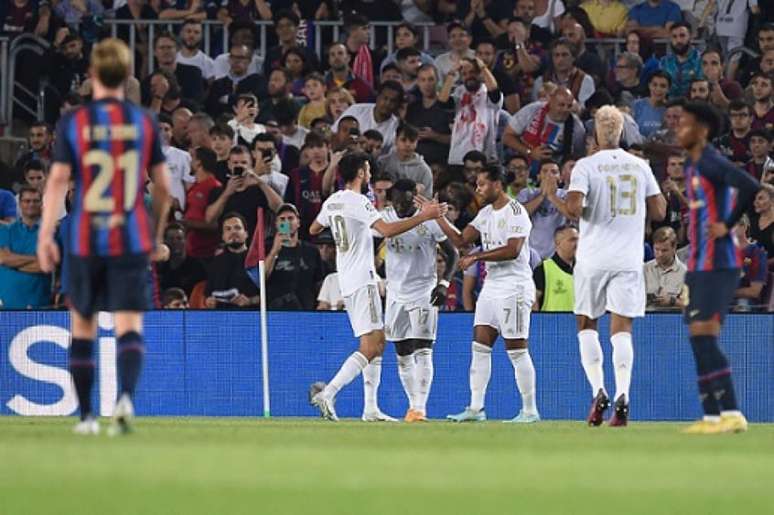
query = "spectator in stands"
{"x": 589, "y": 62}
{"x": 487, "y": 52}
{"x": 627, "y": 86}
{"x": 243, "y": 124}
{"x": 673, "y": 188}
{"x": 179, "y": 165}
{"x": 760, "y": 148}
{"x": 520, "y": 56}
{"x": 762, "y": 221}
{"x": 304, "y": 188}
{"x": 286, "y": 23}
{"x": 245, "y": 10}
{"x": 372, "y": 143}
{"x": 39, "y": 138}
{"x": 294, "y": 268}
{"x": 278, "y": 88}
{"x": 239, "y": 80}
{"x": 365, "y": 62}
{"x": 684, "y": 63}
{"x": 731, "y": 23}
{"x": 406, "y": 36}
{"x": 381, "y": 115}
{"x": 546, "y": 207}
{"x": 722, "y": 90}
{"x": 135, "y": 10}
{"x": 654, "y": 17}
{"x": 763, "y": 108}
{"x": 553, "y": 276}
{"x": 180, "y": 119}
{"x": 765, "y": 38}
{"x": 73, "y": 12}
{"x": 404, "y": 162}
{"x": 340, "y": 75}
{"x": 667, "y": 135}
{"x": 546, "y": 130}
{"x": 754, "y": 272}
{"x": 432, "y": 120}
{"x": 294, "y": 61}
{"x": 222, "y": 136}
{"x": 699, "y": 90}
{"x": 408, "y": 61}
{"x": 165, "y": 93}
{"x": 190, "y": 52}
{"x": 267, "y": 164}
{"x": 34, "y": 174}
{"x": 184, "y": 9}
{"x": 8, "y": 207}
{"x": 201, "y": 234}
{"x": 649, "y": 112}
{"x": 607, "y": 16}
{"x": 69, "y": 65}
{"x": 189, "y": 78}
{"x": 174, "y": 298}
{"x": 382, "y": 183}
{"x": 31, "y": 16}
{"x": 484, "y": 18}
{"x": 517, "y": 165}
{"x": 459, "y": 44}
{"x": 347, "y": 132}
{"x": 180, "y": 270}
{"x": 563, "y": 72}
{"x": 477, "y": 102}
{"x": 22, "y": 285}
{"x": 241, "y": 33}
{"x": 525, "y": 10}
{"x": 286, "y": 114}
{"x": 735, "y": 145}
{"x": 314, "y": 90}
{"x": 391, "y": 72}
{"x": 198, "y": 130}
{"x": 228, "y": 285}
{"x": 337, "y": 100}
{"x": 244, "y": 192}
{"x": 664, "y": 275}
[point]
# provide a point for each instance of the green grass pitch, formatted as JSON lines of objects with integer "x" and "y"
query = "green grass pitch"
{"x": 302, "y": 466}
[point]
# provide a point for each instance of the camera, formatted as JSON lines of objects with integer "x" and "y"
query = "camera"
{"x": 238, "y": 171}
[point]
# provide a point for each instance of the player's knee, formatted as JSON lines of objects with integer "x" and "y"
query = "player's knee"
{"x": 404, "y": 348}
{"x": 584, "y": 323}
{"x": 520, "y": 343}
{"x": 704, "y": 328}
{"x": 422, "y": 344}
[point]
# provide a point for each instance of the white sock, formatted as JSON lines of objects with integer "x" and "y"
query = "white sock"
{"x": 592, "y": 359}
{"x": 349, "y": 370}
{"x": 525, "y": 378}
{"x": 372, "y": 376}
{"x": 424, "y": 378}
{"x": 623, "y": 361}
{"x": 407, "y": 372}
{"x": 480, "y": 372}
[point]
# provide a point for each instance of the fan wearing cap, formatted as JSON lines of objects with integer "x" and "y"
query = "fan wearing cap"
{"x": 294, "y": 268}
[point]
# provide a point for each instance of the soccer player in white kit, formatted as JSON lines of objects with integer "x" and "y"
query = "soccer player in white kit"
{"x": 414, "y": 294}
{"x": 350, "y": 216}
{"x": 612, "y": 192}
{"x": 506, "y": 299}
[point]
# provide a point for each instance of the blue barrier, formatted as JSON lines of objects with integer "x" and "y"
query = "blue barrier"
{"x": 208, "y": 364}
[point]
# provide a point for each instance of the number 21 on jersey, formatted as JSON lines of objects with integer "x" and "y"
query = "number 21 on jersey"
{"x": 98, "y": 198}
{"x": 623, "y": 194}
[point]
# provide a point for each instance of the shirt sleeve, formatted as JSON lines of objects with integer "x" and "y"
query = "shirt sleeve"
{"x": 651, "y": 184}
{"x": 579, "y": 180}
{"x": 4, "y": 237}
{"x": 63, "y": 152}
{"x": 7, "y": 205}
{"x": 436, "y": 231}
{"x": 519, "y": 224}
{"x": 521, "y": 119}
{"x": 366, "y": 212}
{"x": 721, "y": 170}
{"x": 477, "y": 222}
{"x": 322, "y": 216}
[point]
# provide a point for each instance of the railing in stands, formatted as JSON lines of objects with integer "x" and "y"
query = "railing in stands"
{"x": 17, "y": 93}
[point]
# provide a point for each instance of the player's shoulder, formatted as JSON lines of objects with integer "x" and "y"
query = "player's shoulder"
{"x": 389, "y": 214}
{"x": 516, "y": 208}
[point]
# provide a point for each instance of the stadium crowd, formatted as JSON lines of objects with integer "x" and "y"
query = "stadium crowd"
{"x": 515, "y": 82}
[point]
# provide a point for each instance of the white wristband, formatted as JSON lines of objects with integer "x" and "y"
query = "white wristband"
{"x": 444, "y": 283}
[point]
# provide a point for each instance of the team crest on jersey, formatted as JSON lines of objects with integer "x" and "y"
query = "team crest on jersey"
{"x": 501, "y": 223}
{"x": 421, "y": 230}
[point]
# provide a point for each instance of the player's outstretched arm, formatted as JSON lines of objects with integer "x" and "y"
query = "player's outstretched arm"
{"x": 161, "y": 198}
{"x": 656, "y": 207}
{"x": 450, "y": 257}
{"x": 429, "y": 211}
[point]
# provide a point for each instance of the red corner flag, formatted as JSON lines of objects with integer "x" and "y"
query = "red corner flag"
{"x": 256, "y": 252}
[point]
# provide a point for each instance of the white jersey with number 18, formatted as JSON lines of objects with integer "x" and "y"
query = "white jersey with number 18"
{"x": 612, "y": 228}
{"x": 350, "y": 216}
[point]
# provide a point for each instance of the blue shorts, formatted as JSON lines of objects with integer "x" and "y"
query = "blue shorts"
{"x": 710, "y": 294}
{"x": 98, "y": 283}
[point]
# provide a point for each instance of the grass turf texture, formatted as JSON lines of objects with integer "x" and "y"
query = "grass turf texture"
{"x": 303, "y": 466}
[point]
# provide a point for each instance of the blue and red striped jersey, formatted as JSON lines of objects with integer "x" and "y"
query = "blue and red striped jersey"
{"x": 714, "y": 186}
{"x": 110, "y": 146}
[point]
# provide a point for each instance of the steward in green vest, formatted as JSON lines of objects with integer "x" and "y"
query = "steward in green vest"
{"x": 553, "y": 277}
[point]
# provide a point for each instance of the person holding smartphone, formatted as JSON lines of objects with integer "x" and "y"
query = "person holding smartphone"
{"x": 294, "y": 268}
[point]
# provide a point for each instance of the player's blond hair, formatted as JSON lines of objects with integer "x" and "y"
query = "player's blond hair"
{"x": 111, "y": 62}
{"x": 608, "y": 124}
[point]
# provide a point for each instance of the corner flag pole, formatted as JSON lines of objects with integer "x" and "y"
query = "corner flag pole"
{"x": 264, "y": 330}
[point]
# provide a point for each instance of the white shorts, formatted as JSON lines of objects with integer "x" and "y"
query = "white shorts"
{"x": 416, "y": 321}
{"x": 598, "y": 291}
{"x": 509, "y": 315}
{"x": 364, "y": 308}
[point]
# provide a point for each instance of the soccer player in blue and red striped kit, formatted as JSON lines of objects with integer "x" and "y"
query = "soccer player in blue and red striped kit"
{"x": 718, "y": 195}
{"x": 108, "y": 147}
